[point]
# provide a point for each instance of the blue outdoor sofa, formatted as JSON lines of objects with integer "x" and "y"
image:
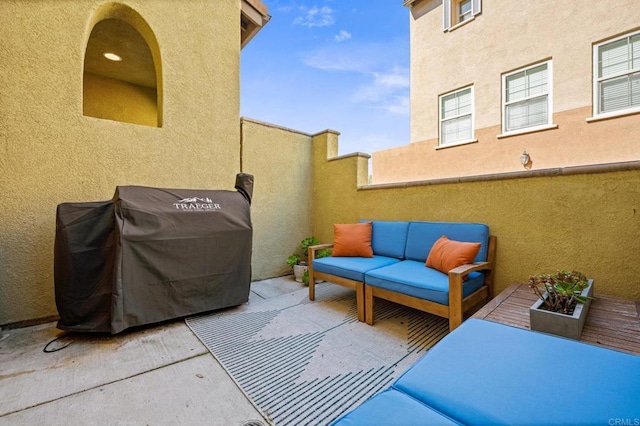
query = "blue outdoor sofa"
{"x": 485, "y": 373}
{"x": 397, "y": 271}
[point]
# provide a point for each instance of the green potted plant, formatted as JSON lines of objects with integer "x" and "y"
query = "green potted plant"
{"x": 563, "y": 303}
{"x": 298, "y": 261}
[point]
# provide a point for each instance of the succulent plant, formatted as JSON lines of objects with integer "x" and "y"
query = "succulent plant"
{"x": 563, "y": 290}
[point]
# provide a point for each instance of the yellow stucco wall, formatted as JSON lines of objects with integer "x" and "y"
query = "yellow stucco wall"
{"x": 118, "y": 100}
{"x": 507, "y": 36}
{"x": 50, "y": 153}
{"x": 280, "y": 160}
{"x": 335, "y": 182}
{"x": 588, "y": 222}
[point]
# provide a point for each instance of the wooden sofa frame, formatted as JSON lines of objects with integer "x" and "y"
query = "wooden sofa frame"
{"x": 454, "y": 311}
{"x": 358, "y": 286}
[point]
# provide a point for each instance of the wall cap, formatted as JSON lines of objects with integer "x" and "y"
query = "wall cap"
{"x": 353, "y": 154}
{"x": 558, "y": 171}
{"x": 274, "y": 126}
{"x": 326, "y": 131}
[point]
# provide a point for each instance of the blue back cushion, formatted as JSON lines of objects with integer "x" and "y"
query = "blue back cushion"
{"x": 422, "y": 236}
{"x": 389, "y": 238}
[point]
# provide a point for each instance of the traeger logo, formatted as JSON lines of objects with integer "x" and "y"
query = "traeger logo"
{"x": 196, "y": 204}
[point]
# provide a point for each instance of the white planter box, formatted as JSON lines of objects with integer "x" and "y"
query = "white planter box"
{"x": 560, "y": 324}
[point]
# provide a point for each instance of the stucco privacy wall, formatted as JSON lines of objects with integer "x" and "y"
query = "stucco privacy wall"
{"x": 543, "y": 221}
{"x": 50, "y": 153}
{"x": 280, "y": 160}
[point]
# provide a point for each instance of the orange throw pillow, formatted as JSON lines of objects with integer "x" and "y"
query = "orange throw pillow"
{"x": 352, "y": 240}
{"x": 447, "y": 254}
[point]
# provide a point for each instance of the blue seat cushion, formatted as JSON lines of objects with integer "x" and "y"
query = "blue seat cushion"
{"x": 422, "y": 236}
{"x": 415, "y": 279}
{"x": 391, "y": 407}
{"x": 352, "y": 268}
{"x": 389, "y": 238}
{"x": 490, "y": 373}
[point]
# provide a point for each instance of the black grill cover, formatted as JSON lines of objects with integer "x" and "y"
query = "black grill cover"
{"x": 152, "y": 254}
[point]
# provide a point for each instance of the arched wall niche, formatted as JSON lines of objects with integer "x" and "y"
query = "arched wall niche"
{"x": 129, "y": 90}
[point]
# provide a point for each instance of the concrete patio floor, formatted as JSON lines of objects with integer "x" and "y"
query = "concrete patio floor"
{"x": 155, "y": 375}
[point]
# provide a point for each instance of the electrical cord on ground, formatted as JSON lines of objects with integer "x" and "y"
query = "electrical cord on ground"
{"x": 48, "y": 351}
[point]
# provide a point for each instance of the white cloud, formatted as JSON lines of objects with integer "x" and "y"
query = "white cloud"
{"x": 398, "y": 105}
{"x": 342, "y": 36}
{"x": 383, "y": 84}
{"x": 387, "y": 90}
{"x": 342, "y": 58}
{"x": 316, "y": 17}
{"x": 358, "y": 57}
{"x": 325, "y": 62}
{"x": 283, "y": 9}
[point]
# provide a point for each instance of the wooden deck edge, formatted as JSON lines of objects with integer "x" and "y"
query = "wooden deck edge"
{"x": 494, "y": 303}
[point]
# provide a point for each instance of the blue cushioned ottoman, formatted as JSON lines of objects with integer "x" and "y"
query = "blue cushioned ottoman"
{"x": 392, "y": 407}
{"x": 489, "y": 373}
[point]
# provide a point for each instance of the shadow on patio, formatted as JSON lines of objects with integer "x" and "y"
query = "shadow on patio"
{"x": 158, "y": 374}
{"x": 162, "y": 374}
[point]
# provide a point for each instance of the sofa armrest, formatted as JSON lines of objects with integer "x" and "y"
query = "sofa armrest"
{"x": 311, "y": 251}
{"x": 456, "y": 278}
{"x": 465, "y": 270}
{"x": 456, "y": 297}
{"x": 311, "y": 255}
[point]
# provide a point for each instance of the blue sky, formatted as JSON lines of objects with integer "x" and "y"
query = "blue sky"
{"x": 332, "y": 64}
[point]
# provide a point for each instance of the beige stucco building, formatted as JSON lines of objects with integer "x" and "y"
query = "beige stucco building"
{"x": 495, "y": 78}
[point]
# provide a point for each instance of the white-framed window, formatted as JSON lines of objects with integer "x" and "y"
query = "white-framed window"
{"x": 616, "y": 76}
{"x": 456, "y": 117}
{"x": 456, "y": 12}
{"x": 463, "y": 10}
{"x": 527, "y": 98}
